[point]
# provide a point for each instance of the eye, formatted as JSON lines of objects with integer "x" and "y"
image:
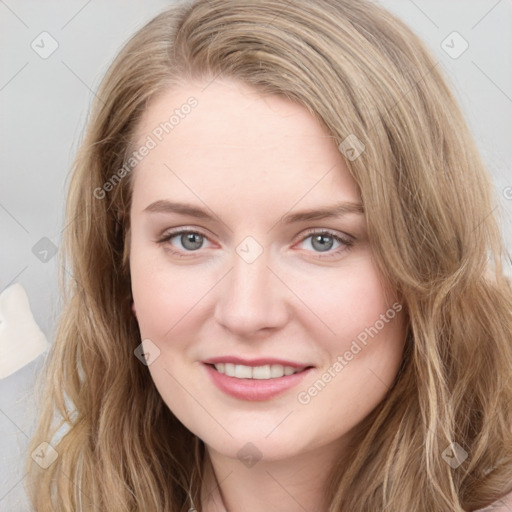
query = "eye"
{"x": 317, "y": 241}
{"x": 323, "y": 241}
{"x": 187, "y": 240}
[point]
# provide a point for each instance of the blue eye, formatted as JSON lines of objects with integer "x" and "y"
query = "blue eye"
{"x": 322, "y": 241}
{"x": 189, "y": 240}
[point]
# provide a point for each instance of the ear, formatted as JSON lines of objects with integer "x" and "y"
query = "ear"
{"x": 133, "y": 309}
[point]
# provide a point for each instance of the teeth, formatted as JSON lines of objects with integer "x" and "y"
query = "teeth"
{"x": 265, "y": 372}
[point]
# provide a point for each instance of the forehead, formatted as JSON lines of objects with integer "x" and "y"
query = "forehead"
{"x": 234, "y": 138}
{"x": 228, "y": 114}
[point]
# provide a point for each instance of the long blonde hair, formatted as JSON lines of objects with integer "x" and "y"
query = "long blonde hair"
{"x": 431, "y": 218}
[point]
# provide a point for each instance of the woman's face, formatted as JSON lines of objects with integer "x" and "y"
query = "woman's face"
{"x": 248, "y": 242}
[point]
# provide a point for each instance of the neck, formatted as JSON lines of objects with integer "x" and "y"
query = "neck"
{"x": 293, "y": 484}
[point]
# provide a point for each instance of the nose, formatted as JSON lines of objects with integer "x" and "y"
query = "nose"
{"x": 252, "y": 299}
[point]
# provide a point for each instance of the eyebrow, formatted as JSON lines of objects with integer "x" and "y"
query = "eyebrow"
{"x": 334, "y": 211}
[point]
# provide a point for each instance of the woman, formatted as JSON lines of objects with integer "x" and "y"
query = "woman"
{"x": 287, "y": 285}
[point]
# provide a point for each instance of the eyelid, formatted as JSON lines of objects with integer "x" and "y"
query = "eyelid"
{"x": 345, "y": 239}
{"x": 318, "y": 231}
{"x": 171, "y": 233}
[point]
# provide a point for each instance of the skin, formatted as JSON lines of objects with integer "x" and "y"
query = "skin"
{"x": 249, "y": 160}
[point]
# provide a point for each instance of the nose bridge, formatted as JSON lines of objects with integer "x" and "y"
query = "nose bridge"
{"x": 251, "y": 298}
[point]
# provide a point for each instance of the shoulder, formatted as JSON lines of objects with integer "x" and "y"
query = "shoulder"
{"x": 502, "y": 505}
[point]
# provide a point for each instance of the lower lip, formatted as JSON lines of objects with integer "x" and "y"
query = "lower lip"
{"x": 254, "y": 389}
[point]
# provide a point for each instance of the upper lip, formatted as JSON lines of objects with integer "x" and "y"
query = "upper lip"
{"x": 262, "y": 361}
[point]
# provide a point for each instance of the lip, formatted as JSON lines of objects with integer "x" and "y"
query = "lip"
{"x": 254, "y": 389}
{"x": 254, "y": 362}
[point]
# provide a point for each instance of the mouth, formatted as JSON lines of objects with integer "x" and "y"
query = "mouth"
{"x": 263, "y": 372}
{"x": 255, "y": 383}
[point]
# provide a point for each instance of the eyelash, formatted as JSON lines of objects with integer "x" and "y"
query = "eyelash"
{"x": 346, "y": 241}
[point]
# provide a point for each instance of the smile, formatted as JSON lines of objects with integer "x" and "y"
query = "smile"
{"x": 264, "y": 372}
{"x": 255, "y": 383}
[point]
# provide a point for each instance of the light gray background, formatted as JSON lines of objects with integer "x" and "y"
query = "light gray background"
{"x": 44, "y": 105}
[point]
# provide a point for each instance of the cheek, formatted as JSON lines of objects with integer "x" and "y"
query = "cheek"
{"x": 348, "y": 303}
{"x": 374, "y": 335}
{"x": 361, "y": 363}
{"x": 163, "y": 294}
{"x": 359, "y": 327}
